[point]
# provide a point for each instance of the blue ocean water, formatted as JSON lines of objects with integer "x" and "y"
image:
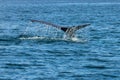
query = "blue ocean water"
{"x": 96, "y": 58}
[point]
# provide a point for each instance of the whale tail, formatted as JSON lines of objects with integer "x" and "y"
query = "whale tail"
{"x": 68, "y": 30}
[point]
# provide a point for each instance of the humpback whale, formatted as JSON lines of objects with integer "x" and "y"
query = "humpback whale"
{"x": 68, "y": 30}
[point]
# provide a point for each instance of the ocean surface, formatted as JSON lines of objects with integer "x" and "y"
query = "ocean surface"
{"x": 28, "y": 51}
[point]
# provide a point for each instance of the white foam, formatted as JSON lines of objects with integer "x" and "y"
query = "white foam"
{"x": 74, "y": 39}
{"x": 35, "y": 37}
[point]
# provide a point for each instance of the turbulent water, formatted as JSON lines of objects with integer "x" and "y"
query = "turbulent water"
{"x": 95, "y": 57}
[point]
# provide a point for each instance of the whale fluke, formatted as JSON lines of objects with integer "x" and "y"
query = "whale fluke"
{"x": 68, "y": 30}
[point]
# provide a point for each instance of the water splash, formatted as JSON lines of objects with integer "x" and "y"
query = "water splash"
{"x": 43, "y": 32}
{"x": 74, "y": 39}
